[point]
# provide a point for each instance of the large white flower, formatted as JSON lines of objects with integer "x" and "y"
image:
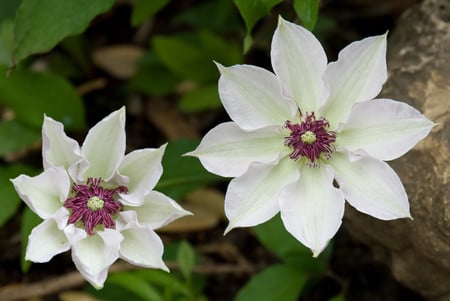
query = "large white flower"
{"x": 96, "y": 201}
{"x": 297, "y": 131}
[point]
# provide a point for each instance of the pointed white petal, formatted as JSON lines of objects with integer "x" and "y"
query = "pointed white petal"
{"x": 57, "y": 148}
{"x": 44, "y": 193}
{"x": 357, "y": 75}
{"x": 299, "y": 61}
{"x": 383, "y": 128}
{"x": 253, "y": 198}
{"x": 157, "y": 211}
{"x": 142, "y": 247}
{"x": 46, "y": 241}
{"x": 94, "y": 254}
{"x": 104, "y": 146}
{"x": 252, "y": 97}
{"x": 371, "y": 186}
{"x": 143, "y": 169}
{"x": 228, "y": 151}
{"x": 312, "y": 209}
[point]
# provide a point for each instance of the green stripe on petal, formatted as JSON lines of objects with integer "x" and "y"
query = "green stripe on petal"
{"x": 383, "y": 128}
{"x": 371, "y": 186}
{"x": 252, "y": 97}
{"x": 104, "y": 146}
{"x": 299, "y": 60}
{"x": 228, "y": 151}
{"x": 312, "y": 208}
{"x": 357, "y": 75}
{"x": 253, "y": 198}
{"x": 46, "y": 241}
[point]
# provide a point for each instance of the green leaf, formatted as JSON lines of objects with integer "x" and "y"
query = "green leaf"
{"x": 277, "y": 282}
{"x": 8, "y": 9}
{"x": 6, "y": 41}
{"x": 31, "y": 95}
{"x": 274, "y": 237}
{"x": 168, "y": 281}
{"x": 182, "y": 174}
{"x": 145, "y": 9}
{"x": 206, "y": 97}
{"x": 16, "y": 136}
{"x": 186, "y": 259}
{"x": 153, "y": 77}
{"x": 136, "y": 285}
{"x": 29, "y": 221}
{"x": 251, "y": 11}
{"x": 191, "y": 56}
{"x": 185, "y": 58}
{"x": 40, "y": 25}
{"x": 9, "y": 198}
{"x": 307, "y": 11}
{"x": 337, "y": 298}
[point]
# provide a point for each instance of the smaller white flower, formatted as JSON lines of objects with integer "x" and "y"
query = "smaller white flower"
{"x": 96, "y": 201}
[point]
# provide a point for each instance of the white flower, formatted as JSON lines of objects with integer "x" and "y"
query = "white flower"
{"x": 96, "y": 201}
{"x": 297, "y": 131}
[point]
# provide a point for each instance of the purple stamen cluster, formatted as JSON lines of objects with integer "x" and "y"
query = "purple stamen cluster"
{"x": 89, "y": 216}
{"x": 310, "y": 138}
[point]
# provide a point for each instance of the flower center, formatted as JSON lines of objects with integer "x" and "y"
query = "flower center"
{"x": 92, "y": 206}
{"x": 95, "y": 203}
{"x": 310, "y": 139}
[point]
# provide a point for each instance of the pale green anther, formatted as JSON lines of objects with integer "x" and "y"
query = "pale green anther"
{"x": 95, "y": 203}
{"x": 308, "y": 137}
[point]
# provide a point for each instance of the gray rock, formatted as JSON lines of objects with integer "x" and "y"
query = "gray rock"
{"x": 418, "y": 251}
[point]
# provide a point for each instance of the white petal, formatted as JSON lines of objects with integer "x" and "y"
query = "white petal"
{"x": 228, "y": 151}
{"x": 94, "y": 254}
{"x": 299, "y": 61}
{"x": 157, "y": 211}
{"x": 44, "y": 193}
{"x": 312, "y": 209}
{"x": 253, "y": 198}
{"x": 357, "y": 75}
{"x": 142, "y": 247}
{"x": 371, "y": 186}
{"x": 104, "y": 146}
{"x": 383, "y": 128}
{"x": 252, "y": 97}
{"x": 57, "y": 148}
{"x": 46, "y": 241}
{"x": 143, "y": 169}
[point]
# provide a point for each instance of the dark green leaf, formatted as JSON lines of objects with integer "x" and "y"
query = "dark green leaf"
{"x": 16, "y": 136}
{"x": 9, "y": 198}
{"x": 338, "y": 298}
{"x": 206, "y": 97}
{"x": 277, "y": 282}
{"x": 145, "y": 9}
{"x": 153, "y": 77}
{"x": 251, "y": 11}
{"x": 40, "y": 25}
{"x": 182, "y": 174}
{"x": 217, "y": 16}
{"x": 185, "y": 58}
{"x": 135, "y": 284}
{"x": 186, "y": 259}
{"x": 8, "y": 9}
{"x": 31, "y": 95}
{"x": 307, "y": 11}
{"x": 6, "y": 42}
{"x": 191, "y": 56}
{"x": 29, "y": 221}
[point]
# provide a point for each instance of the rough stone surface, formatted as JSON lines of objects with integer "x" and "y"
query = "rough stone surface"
{"x": 418, "y": 251}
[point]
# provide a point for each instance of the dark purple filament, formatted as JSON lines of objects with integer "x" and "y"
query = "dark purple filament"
{"x": 311, "y": 139}
{"x": 94, "y": 205}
